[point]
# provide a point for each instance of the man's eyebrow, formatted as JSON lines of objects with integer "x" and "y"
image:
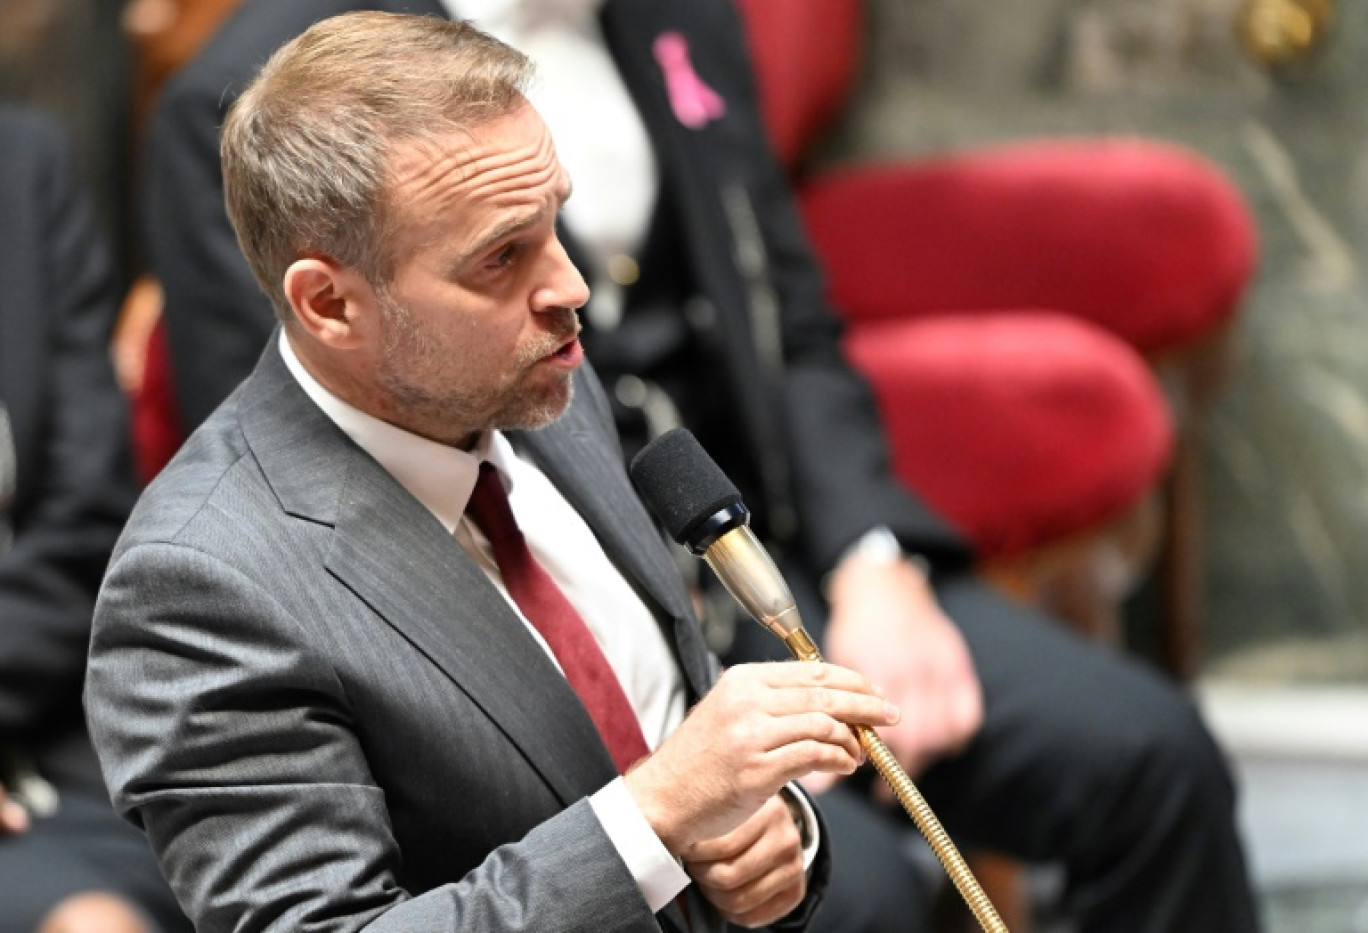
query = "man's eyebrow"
{"x": 516, "y": 224}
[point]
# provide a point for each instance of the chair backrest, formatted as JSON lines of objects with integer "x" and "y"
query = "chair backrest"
{"x": 806, "y": 55}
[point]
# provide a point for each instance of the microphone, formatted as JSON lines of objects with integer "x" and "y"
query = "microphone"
{"x": 702, "y": 510}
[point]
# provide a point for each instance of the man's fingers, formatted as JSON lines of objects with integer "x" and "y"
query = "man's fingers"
{"x": 749, "y": 737}
{"x": 756, "y": 863}
{"x": 739, "y": 840}
{"x": 814, "y": 674}
{"x": 752, "y": 898}
{"x": 819, "y": 782}
{"x": 848, "y": 707}
{"x": 943, "y": 716}
{"x": 777, "y": 907}
{"x": 803, "y": 758}
{"x": 968, "y": 706}
{"x": 811, "y": 727}
{"x": 13, "y": 818}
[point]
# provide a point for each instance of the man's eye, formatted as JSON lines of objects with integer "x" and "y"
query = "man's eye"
{"x": 505, "y": 256}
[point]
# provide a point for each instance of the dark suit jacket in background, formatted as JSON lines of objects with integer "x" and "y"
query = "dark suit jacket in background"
{"x": 324, "y": 714}
{"x": 73, "y": 485}
{"x": 73, "y": 490}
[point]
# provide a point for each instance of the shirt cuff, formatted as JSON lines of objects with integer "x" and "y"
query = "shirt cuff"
{"x": 659, "y": 876}
{"x": 809, "y": 830}
{"x": 881, "y": 546}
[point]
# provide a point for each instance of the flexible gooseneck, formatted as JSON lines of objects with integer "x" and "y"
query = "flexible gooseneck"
{"x": 748, "y": 573}
{"x": 702, "y": 510}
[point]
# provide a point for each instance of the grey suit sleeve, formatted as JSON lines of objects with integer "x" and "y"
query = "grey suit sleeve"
{"x": 226, "y": 737}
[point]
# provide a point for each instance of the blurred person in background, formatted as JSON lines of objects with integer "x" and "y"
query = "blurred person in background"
{"x": 68, "y": 864}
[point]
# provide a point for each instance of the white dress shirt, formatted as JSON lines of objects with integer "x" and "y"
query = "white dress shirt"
{"x": 442, "y": 478}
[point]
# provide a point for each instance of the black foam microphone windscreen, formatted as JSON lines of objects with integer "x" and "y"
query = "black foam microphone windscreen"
{"x": 681, "y": 484}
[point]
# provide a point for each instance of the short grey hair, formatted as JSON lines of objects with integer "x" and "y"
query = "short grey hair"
{"x": 306, "y": 148}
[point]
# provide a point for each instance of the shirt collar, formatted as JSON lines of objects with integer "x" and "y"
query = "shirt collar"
{"x": 442, "y": 478}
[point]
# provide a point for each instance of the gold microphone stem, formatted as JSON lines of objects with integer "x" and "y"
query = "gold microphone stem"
{"x": 753, "y": 581}
{"x": 804, "y": 649}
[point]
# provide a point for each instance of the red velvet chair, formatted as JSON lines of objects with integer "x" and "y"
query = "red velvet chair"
{"x": 144, "y": 369}
{"x": 1002, "y": 295}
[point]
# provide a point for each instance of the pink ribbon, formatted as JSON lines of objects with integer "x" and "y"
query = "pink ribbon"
{"x": 693, "y": 102}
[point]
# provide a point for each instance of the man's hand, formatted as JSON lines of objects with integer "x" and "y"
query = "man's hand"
{"x": 885, "y": 622}
{"x": 760, "y": 727}
{"x": 14, "y": 819}
{"x": 754, "y": 874}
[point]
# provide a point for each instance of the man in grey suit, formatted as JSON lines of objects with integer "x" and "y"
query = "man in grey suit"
{"x": 313, "y": 680}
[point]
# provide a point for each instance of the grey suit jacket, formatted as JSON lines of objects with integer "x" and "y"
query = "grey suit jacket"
{"x": 324, "y": 715}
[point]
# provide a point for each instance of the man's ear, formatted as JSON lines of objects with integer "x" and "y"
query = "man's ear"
{"x": 332, "y": 303}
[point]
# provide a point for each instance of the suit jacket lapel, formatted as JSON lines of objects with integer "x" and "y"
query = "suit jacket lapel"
{"x": 399, "y": 560}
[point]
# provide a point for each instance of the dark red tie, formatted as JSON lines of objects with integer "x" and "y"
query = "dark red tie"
{"x": 546, "y": 607}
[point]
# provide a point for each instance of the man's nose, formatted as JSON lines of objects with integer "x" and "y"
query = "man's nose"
{"x": 564, "y": 286}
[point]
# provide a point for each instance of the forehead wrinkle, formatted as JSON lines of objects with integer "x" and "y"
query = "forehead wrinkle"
{"x": 525, "y": 167}
{"x": 424, "y": 170}
{"x": 536, "y": 192}
{"x": 518, "y": 222}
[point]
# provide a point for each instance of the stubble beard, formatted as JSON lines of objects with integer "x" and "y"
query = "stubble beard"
{"x": 412, "y": 379}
